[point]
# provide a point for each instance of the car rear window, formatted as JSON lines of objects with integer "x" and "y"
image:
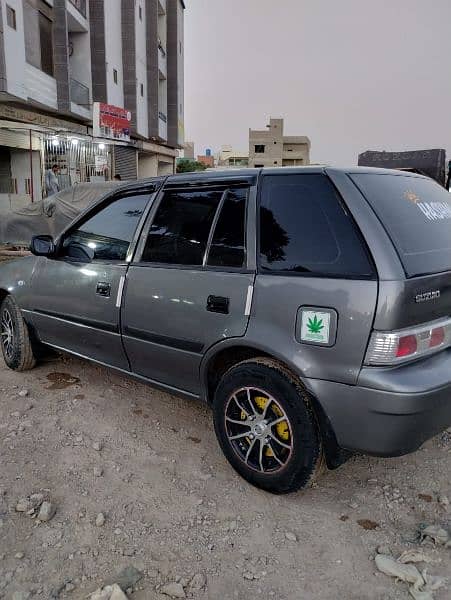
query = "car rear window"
{"x": 416, "y": 213}
{"x": 306, "y": 229}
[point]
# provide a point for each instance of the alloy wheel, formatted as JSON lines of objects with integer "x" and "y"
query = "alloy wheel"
{"x": 7, "y": 333}
{"x": 258, "y": 430}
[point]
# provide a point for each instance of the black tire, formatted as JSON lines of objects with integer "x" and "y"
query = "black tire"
{"x": 297, "y": 467}
{"x": 16, "y": 348}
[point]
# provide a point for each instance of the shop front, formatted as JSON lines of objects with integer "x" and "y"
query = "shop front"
{"x": 33, "y": 145}
{"x": 28, "y": 155}
{"x": 76, "y": 159}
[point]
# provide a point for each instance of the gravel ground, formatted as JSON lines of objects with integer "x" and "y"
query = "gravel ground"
{"x": 92, "y": 442}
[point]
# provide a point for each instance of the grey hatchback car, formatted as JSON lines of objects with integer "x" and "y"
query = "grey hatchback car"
{"x": 310, "y": 307}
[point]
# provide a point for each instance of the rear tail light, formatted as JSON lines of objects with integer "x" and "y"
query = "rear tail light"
{"x": 394, "y": 347}
{"x": 437, "y": 337}
{"x": 407, "y": 345}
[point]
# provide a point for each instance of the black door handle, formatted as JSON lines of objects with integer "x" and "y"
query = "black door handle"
{"x": 103, "y": 289}
{"x": 218, "y": 304}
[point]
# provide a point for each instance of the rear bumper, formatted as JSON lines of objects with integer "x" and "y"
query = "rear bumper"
{"x": 390, "y": 412}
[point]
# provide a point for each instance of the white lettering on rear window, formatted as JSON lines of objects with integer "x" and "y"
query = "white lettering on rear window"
{"x": 435, "y": 211}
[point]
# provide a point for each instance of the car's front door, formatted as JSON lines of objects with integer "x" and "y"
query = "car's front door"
{"x": 190, "y": 284}
{"x": 76, "y": 303}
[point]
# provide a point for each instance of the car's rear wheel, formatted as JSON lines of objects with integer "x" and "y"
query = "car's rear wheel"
{"x": 15, "y": 340}
{"x": 266, "y": 426}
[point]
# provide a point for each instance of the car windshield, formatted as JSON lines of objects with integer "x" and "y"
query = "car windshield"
{"x": 416, "y": 213}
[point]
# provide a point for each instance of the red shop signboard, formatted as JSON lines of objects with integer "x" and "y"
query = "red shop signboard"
{"x": 111, "y": 122}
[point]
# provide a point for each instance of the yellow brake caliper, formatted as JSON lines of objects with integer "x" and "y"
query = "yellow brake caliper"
{"x": 281, "y": 428}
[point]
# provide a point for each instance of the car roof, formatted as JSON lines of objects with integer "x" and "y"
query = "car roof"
{"x": 236, "y": 174}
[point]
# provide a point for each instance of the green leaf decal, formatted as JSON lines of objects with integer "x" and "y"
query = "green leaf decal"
{"x": 315, "y": 325}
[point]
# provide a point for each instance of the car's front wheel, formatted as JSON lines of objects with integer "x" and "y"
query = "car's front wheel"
{"x": 15, "y": 340}
{"x": 266, "y": 427}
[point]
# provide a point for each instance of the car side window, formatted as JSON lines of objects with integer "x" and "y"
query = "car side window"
{"x": 304, "y": 228}
{"x": 110, "y": 231}
{"x": 181, "y": 227}
{"x": 229, "y": 239}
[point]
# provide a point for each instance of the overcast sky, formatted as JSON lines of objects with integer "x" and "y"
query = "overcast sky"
{"x": 351, "y": 74}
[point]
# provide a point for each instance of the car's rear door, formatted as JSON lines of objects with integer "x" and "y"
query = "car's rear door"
{"x": 190, "y": 283}
{"x": 75, "y": 304}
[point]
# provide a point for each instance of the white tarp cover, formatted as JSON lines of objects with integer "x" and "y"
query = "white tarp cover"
{"x": 51, "y": 215}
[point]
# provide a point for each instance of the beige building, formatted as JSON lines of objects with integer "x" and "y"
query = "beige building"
{"x": 229, "y": 157}
{"x": 270, "y": 148}
{"x": 188, "y": 150}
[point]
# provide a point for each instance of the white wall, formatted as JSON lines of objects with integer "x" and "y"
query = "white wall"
{"x": 14, "y": 50}
{"x": 113, "y": 52}
{"x": 40, "y": 86}
{"x": 141, "y": 69}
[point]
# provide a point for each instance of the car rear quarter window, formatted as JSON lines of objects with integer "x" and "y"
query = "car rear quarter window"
{"x": 228, "y": 243}
{"x": 416, "y": 213}
{"x": 306, "y": 229}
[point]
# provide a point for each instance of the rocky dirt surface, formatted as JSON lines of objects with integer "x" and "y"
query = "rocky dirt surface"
{"x": 105, "y": 481}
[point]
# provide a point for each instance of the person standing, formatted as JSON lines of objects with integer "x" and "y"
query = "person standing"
{"x": 51, "y": 180}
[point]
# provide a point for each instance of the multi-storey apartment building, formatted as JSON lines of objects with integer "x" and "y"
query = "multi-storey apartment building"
{"x": 93, "y": 86}
{"x": 270, "y": 148}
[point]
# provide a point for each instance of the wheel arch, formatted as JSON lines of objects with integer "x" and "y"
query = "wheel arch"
{"x": 224, "y": 356}
{"x": 3, "y": 294}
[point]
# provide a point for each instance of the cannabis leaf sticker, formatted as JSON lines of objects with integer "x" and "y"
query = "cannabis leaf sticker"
{"x": 315, "y": 325}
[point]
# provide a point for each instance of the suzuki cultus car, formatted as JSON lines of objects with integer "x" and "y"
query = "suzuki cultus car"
{"x": 310, "y": 307}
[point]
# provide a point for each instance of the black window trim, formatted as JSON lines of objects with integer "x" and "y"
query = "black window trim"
{"x": 200, "y": 182}
{"x": 125, "y": 190}
{"x": 262, "y": 271}
{"x": 210, "y": 185}
{"x": 214, "y": 224}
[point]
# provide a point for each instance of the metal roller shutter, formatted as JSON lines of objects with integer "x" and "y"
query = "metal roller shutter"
{"x": 5, "y": 171}
{"x": 125, "y": 162}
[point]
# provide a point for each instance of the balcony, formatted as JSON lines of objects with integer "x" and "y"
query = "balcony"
{"x": 79, "y": 93}
{"x": 162, "y": 126}
{"x": 80, "y": 5}
{"x": 161, "y": 7}
{"x": 77, "y": 21}
{"x": 40, "y": 87}
{"x": 162, "y": 62}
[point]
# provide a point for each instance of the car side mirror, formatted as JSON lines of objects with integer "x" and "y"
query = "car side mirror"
{"x": 79, "y": 253}
{"x": 42, "y": 245}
